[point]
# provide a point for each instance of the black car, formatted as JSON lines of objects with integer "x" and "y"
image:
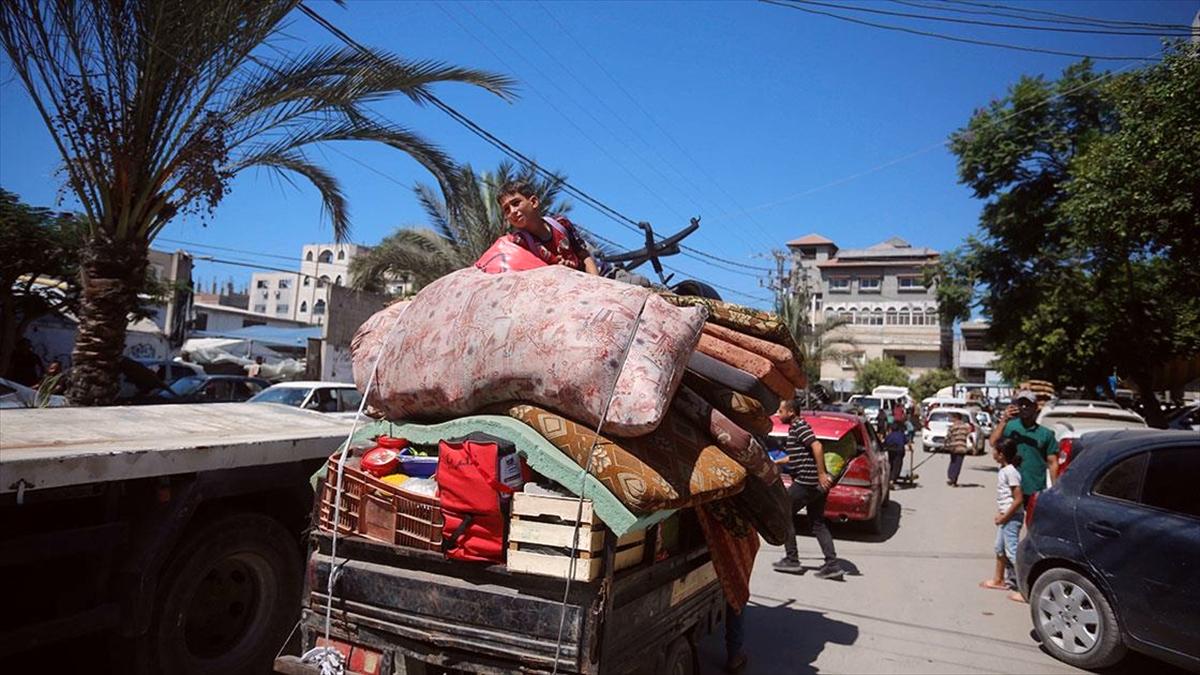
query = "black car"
{"x": 1111, "y": 560}
{"x": 210, "y": 389}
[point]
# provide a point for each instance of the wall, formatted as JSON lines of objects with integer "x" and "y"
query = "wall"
{"x": 348, "y": 309}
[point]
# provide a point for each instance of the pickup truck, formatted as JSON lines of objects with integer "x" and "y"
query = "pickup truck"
{"x": 161, "y": 539}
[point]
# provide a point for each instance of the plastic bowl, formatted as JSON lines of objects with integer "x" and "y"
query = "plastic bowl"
{"x": 419, "y": 467}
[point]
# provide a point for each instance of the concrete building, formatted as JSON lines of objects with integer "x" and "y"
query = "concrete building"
{"x": 216, "y": 319}
{"x": 880, "y": 290}
{"x": 973, "y": 355}
{"x": 304, "y": 295}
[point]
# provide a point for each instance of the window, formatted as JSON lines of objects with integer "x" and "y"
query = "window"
{"x": 319, "y": 308}
{"x": 890, "y": 318}
{"x": 931, "y": 317}
{"x": 260, "y": 309}
{"x": 904, "y": 318}
{"x": 338, "y": 280}
{"x": 281, "y": 309}
{"x": 870, "y": 284}
{"x": 201, "y": 322}
{"x": 899, "y": 358}
{"x": 350, "y": 399}
{"x": 839, "y": 284}
{"x": 910, "y": 284}
{"x": 285, "y": 283}
{"x": 246, "y": 323}
{"x": 341, "y": 255}
{"x": 1123, "y": 481}
{"x": 262, "y": 283}
{"x": 276, "y": 295}
{"x": 304, "y": 307}
{"x": 323, "y": 281}
{"x": 308, "y": 256}
{"x": 1169, "y": 483}
{"x": 326, "y": 256}
{"x": 308, "y": 281}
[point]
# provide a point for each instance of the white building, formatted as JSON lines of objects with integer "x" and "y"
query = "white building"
{"x": 304, "y": 295}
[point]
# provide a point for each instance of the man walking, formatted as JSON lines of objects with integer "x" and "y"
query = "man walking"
{"x": 810, "y": 487}
{"x": 957, "y": 440}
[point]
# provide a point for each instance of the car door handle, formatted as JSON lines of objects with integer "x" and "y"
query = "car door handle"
{"x": 1103, "y": 530}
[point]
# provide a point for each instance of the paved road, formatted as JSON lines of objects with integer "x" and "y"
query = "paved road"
{"x": 911, "y": 603}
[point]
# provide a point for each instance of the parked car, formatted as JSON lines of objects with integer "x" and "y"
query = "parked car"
{"x": 933, "y": 435}
{"x": 17, "y": 395}
{"x": 336, "y": 398}
{"x": 862, "y": 490}
{"x": 1109, "y": 561}
{"x": 140, "y": 378}
{"x": 1186, "y": 418}
{"x": 209, "y": 389}
{"x": 1070, "y": 419}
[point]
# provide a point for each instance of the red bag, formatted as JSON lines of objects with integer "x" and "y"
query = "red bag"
{"x": 476, "y": 477}
{"x": 505, "y": 256}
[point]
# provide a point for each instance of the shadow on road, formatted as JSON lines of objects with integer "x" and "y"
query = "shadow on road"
{"x": 780, "y": 639}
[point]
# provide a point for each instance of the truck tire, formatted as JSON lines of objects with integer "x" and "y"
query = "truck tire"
{"x": 227, "y": 599}
{"x": 680, "y": 658}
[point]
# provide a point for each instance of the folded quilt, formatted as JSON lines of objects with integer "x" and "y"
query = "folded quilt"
{"x": 744, "y": 359}
{"x": 733, "y": 545}
{"x": 743, "y": 410}
{"x": 551, "y": 336}
{"x": 778, "y": 355}
{"x": 742, "y": 319}
{"x": 734, "y": 440}
{"x": 734, "y": 378}
{"x": 676, "y": 466}
{"x": 767, "y": 507}
{"x": 541, "y": 456}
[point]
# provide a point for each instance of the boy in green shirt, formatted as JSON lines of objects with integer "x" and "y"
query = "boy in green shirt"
{"x": 1035, "y": 443}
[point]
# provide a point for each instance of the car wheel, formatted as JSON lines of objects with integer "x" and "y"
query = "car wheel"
{"x": 1074, "y": 620}
{"x": 680, "y": 658}
{"x": 228, "y": 598}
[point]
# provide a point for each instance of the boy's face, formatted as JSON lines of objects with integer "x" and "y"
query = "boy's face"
{"x": 520, "y": 211}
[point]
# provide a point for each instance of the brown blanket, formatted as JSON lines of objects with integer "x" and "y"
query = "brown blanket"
{"x": 778, "y": 355}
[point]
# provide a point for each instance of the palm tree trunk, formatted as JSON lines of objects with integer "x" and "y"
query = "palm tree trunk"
{"x": 110, "y": 274}
{"x": 946, "y": 344}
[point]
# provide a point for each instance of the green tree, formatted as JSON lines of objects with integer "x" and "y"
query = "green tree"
{"x": 818, "y": 342}
{"x": 462, "y": 226}
{"x": 1087, "y": 252}
{"x": 932, "y": 381}
{"x": 879, "y": 372}
{"x": 156, "y": 105}
{"x": 953, "y": 281}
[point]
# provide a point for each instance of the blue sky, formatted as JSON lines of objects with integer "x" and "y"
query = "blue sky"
{"x": 769, "y": 123}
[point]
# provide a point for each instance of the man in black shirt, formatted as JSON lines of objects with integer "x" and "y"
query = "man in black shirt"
{"x": 810, "y": 487}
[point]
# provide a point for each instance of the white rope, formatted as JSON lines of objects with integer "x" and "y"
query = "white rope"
{"x": 328, "y": 659}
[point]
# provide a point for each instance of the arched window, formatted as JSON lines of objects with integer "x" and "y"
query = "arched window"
{"x": 319, "y": 308}
{"x": 308, "y": 281}
{"x": 326, "y": 256}
{"x": 931, "y": 317}
{"x": 338, "y": 281}
{"x": 304, "y": 307}
{"x": 877, "y": 316}
{"x": 308, "y": 256}
{"x": 905, "y": 317}
{"x": 323, "y": 281}
{"x": 890, "y": 318}
{"x": 341, "y": 255}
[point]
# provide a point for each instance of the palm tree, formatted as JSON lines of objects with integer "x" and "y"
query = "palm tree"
{"x": 156, "y": 105}
{"x": 818, "y": 341}
{"x": 455, "y": 237}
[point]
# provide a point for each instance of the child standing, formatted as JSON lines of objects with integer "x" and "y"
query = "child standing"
{"x": 1010, "y": 511}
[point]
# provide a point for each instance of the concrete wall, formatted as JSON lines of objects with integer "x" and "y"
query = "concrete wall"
{"x": 348, "y": 309}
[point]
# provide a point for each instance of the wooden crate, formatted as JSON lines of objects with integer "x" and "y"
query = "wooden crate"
{"x": 540, "y": 539}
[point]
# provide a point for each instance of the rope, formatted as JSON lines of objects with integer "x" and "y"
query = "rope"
{"x": 328, "y": 659}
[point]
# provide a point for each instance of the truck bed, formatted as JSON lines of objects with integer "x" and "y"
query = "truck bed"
{"x": 414, "y": 604}
{"x": 59, "y": 447}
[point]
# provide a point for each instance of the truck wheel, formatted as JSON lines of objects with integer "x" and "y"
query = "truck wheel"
{"x": 681, "y": 658}
{"x": 229, "y": 597}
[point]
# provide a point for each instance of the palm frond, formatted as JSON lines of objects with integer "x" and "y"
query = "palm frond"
{"x": 333, "y": 201}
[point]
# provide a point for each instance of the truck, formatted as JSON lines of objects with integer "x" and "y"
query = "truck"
{"x": 159, "y": 539}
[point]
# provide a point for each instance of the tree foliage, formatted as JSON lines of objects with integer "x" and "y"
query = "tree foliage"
{"x": 880, "y": 372}
{"x": 931, "y": 382}
{"x": 819, "y": 342}
{"x": 1087, "y": 256}
{"x": 461, "y": 226}
{"x": 156, "y": 105}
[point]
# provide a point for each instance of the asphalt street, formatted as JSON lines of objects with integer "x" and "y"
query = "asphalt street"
{"x": 910, "y": 602}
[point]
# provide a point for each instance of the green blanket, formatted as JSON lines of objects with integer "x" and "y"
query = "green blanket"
{"x": 539, "y": 453}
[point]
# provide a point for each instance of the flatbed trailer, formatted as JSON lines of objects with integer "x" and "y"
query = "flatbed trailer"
{"x": 404, "y": 610}
{"x": 155, "y": 539}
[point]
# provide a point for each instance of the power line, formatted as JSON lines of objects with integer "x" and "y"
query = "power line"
{"x": 951, "y": 38}
{"x": 654, "y": 120}
{"x": 976, "y": 22}
{"x": 225, "y": 248}
{"x": 613, "y": 214}
{"x": 903, "y": 158}
{"x": 1064, "y": 18}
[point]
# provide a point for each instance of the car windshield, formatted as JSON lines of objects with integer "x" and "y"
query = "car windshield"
{"x": 868, "y": 402}
{"x": 940, "y": 416}
{"x": 187, "y": 385}
{"x": 292, "y": 396}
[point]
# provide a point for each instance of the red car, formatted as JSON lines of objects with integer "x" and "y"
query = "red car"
{"x": 861, "y": 491}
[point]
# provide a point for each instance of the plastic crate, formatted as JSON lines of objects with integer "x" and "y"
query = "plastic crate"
{"x": 378, "y": 511}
